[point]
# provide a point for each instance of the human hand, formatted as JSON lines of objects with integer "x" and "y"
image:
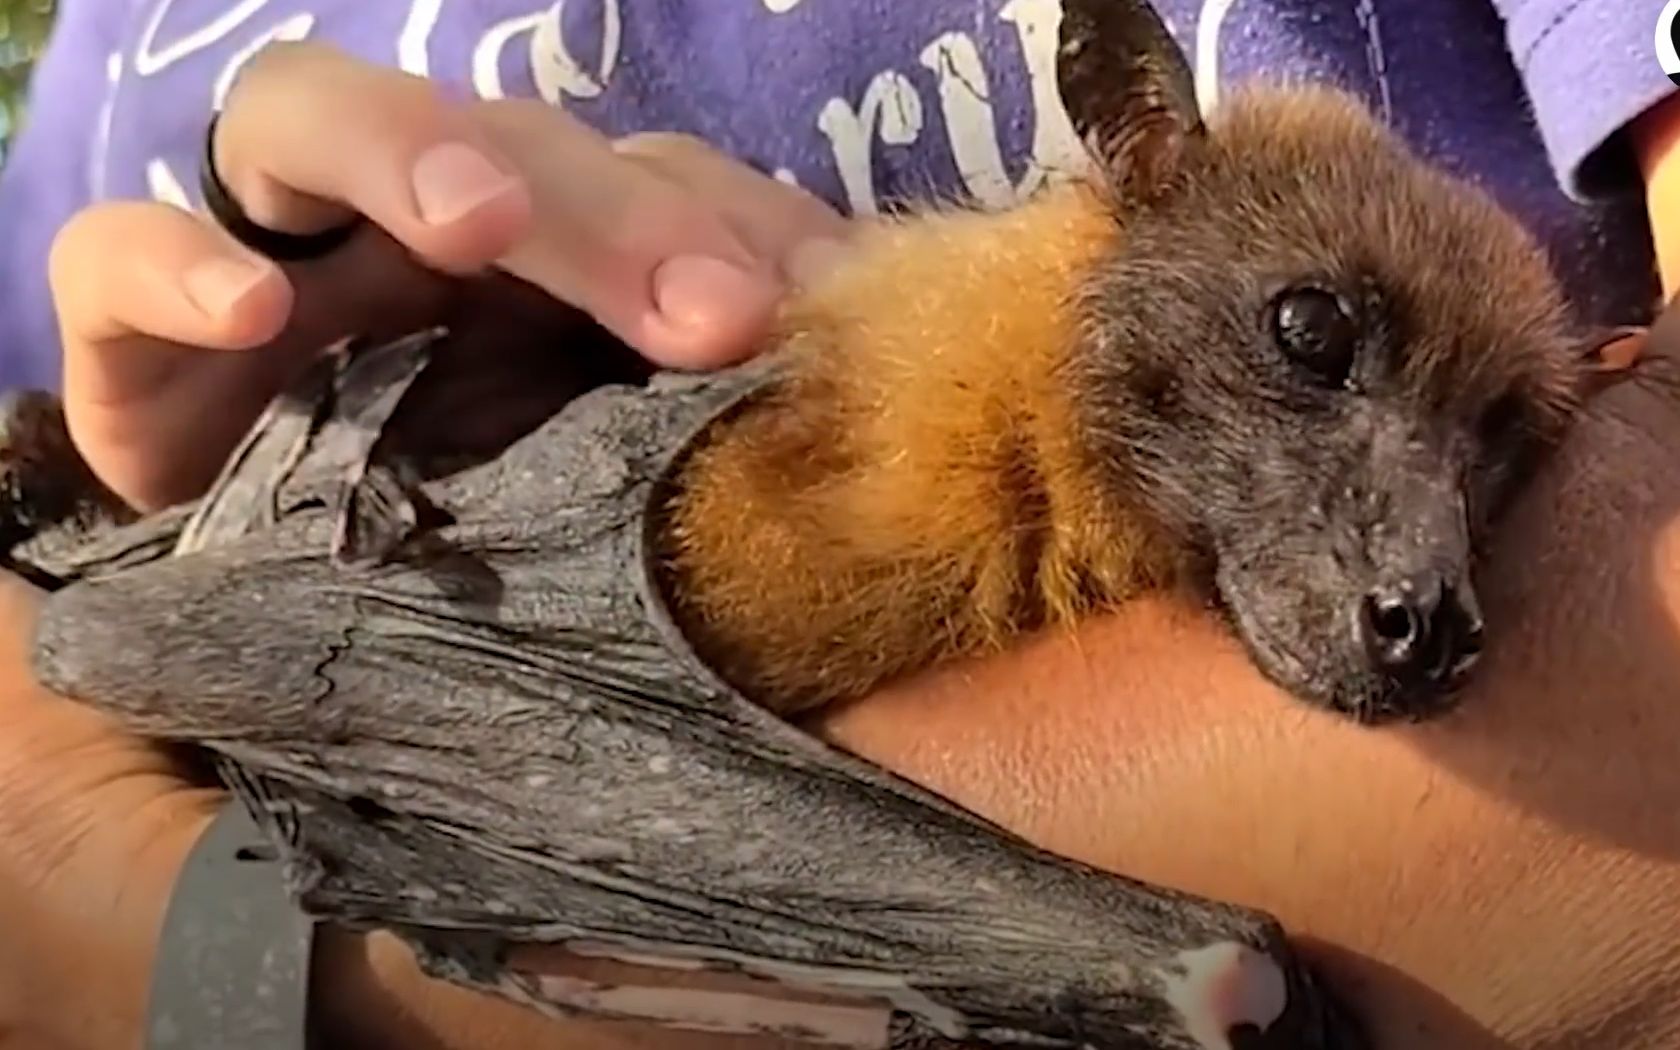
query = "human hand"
{"x": 176, "y": 341}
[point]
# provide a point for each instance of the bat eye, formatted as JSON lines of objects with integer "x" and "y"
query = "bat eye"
{"x": 1502, "y": 419}
{"x": 1314, "y": 328}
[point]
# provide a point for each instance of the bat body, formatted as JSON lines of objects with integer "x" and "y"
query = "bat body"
{"x": 1297, "y": 380}
{"x": 493, "y": 696}
{"x": 462, "y": 712}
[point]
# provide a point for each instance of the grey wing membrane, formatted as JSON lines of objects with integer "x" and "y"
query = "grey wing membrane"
{"x": 453, "y": 710}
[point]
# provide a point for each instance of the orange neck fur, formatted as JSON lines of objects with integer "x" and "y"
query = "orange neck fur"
{"x": 917, "y": 488}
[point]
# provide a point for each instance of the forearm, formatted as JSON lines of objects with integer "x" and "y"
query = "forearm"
{"x": 1503, "y": 878}
{"x": 374, "y": 997}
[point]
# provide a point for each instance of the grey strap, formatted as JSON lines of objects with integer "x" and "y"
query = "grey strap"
{"x": 232, "y": 967}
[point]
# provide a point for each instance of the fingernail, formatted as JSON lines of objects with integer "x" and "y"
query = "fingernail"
{"x": 217, "y": 285}
{"x": 452, "y": 179}
{"x": 693, "y": 291}
{"x": 810, "y": 262}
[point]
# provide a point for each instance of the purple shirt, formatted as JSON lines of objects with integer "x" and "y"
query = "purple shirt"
{"x": 861, "y": 101}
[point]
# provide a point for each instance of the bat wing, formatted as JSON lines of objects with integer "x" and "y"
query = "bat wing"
{"x": 459, "y": 711}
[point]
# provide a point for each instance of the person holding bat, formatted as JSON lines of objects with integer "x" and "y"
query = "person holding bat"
{"x": 1213, "y": 725}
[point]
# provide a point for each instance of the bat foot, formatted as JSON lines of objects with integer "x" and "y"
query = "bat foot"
{"x": 1227, "y": 994}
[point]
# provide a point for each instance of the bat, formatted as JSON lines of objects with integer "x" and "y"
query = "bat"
{"x": 1271, "y": 360}
{"x": 532, "y": 693}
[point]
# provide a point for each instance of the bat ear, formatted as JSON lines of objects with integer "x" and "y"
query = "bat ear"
{"x": 1128, "y": 92}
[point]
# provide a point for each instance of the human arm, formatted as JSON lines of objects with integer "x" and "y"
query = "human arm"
{"x": 1501, "y": 878}
{"x": 96, "y": 826}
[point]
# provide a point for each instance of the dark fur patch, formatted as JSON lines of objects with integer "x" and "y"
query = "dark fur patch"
{"x": 1309, "y": 495}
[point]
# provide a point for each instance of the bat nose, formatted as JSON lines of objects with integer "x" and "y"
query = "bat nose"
{"x": 1422, "y": 630}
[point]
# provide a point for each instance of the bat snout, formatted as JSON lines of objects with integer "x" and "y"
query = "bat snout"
{"x": 1377, "y": 645}
{"x": 1424, "y": 631}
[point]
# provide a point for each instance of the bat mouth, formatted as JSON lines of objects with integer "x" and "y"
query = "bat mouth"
{"x": 1338, "y": 670}
{"x": 1393, "y": 703}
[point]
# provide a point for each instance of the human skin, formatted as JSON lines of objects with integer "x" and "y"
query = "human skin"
{"x": 1506, "y": 878}
{"x": 1654, "y": 137}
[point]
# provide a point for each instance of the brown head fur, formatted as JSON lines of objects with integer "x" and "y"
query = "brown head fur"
{"x": 991, "y": 423}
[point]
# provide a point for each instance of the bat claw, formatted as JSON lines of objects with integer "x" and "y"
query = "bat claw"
{"x": 1225, "y": 988}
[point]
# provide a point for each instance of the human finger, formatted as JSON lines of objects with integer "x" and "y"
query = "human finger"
{"x": 176, "y": 288}
{"x": 777, "y": 220}
{"x": 655, "y": 262}
{"x": 310, "y": 137}
{"x": 179, "y": 306}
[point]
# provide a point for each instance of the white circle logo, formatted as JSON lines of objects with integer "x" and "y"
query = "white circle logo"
{"x": 1668, "y": 55}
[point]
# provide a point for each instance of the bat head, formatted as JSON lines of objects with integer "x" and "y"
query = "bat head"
{"x": 1322, "y": 363}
